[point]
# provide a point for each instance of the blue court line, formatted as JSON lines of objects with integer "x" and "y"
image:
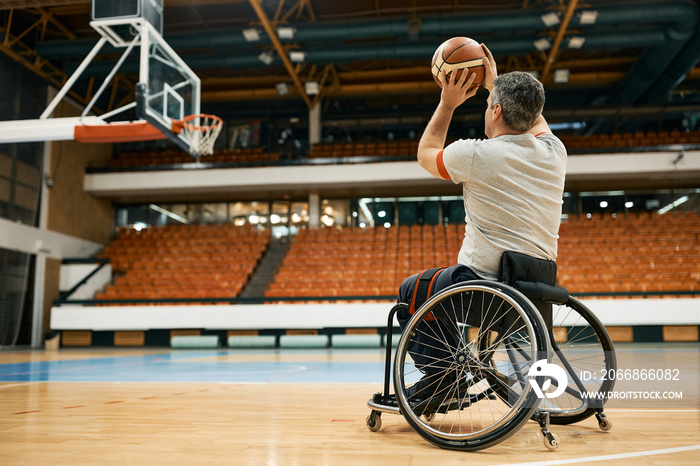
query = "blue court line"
{"x": 178, "y": 367}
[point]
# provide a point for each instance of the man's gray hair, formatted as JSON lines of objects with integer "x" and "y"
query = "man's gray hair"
{"x": 521, "y": 97}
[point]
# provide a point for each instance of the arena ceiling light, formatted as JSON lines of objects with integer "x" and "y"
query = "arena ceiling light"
{"x": 297, "y": 56}
{"x": 550, "y": 19}
{"x": 285, "y": 32}
{"x": 312, "y": 87}
{"x": 282, "y": 88}
{"x": 561, "y": 76}
{"x": 542, "y": 43}
{"x": 251, "y": 35}
{"x": 576, "y": 42}
{"x": 588, "y": 17}
{"x": 266, "y": 57}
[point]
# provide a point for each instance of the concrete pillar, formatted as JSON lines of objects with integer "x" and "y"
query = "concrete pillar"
{"x": 314, "y": 211}
{"x": 315, "y": 124}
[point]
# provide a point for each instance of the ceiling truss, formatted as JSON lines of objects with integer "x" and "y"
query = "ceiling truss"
{"x": 379, "y": 77}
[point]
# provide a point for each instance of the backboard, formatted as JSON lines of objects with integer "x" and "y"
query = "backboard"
{"x": 168, "y": 89}
{"x": 172, "y": 89}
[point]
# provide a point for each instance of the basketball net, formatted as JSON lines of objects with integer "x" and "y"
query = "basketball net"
{"x": 201, "y": 131}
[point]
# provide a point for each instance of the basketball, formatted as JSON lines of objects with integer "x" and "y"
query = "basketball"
{"x": 457, "y": 54}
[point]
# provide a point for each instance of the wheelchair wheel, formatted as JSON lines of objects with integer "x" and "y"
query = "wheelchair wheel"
{"x": 582, "y": 346}
{"x": 456, "y": 394}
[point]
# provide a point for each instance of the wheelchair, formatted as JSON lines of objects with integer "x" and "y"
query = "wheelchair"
{"x": 471, "y": 365}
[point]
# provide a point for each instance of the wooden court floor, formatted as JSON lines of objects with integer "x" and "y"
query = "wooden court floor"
{"x": 98, "y": 407}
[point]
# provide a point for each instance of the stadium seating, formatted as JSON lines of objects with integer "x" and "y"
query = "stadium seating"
{"x": 362, "y": 262}
{"x": 208, "y": 261}
{"x": 401, "y": 149}
{"x": 131, "y": 159}
{"x": 635, "y": 253}
{"x": 404, "y": 148}
{"x": 622, "y": 142}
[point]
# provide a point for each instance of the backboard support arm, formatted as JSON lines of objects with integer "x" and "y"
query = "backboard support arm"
{"x": 109, "y": 77}
{"x": 74, "y": 77}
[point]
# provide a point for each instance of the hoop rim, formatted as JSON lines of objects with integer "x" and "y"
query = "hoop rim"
{"x": 179, "y": 125}
{"x": 201, "y": 137}
{"x": 187, "y": 125}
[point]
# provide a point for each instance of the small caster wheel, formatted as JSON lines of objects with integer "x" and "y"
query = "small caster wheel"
{"x": 429, "y": 416}
{"x": 604, "y": 423}
{"x": 551, "y": 441}
{"x": 374, "y": 421}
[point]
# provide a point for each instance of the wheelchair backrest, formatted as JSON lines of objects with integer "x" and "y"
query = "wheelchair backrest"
{"x": 535, "y": 278}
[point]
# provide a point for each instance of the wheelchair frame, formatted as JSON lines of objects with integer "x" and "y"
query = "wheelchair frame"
{"x": 517, "y": 343}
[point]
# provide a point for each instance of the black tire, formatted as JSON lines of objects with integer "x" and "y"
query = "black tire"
{"x": 466, "y": 404}
{"x": 587, "y": 347}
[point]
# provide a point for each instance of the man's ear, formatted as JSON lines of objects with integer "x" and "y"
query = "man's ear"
{"x": 497, "y": 112}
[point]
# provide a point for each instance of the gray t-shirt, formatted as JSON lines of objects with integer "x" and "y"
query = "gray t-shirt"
{"x": 513, "y": 187}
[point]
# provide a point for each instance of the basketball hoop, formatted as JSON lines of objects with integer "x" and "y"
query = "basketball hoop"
{"x": 201, "y": 131}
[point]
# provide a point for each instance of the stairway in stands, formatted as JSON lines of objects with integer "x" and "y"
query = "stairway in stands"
{"x": 267, "y": 269}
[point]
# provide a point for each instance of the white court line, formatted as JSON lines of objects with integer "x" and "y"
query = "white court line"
{"x": 609, "y": 457}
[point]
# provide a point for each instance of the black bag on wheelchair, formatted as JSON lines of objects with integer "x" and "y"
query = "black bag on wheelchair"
{"x": 535, "y": 278}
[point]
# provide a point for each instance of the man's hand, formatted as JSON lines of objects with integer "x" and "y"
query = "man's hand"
{"x": 456, "y": 91}
{"x": 490, "y": 70}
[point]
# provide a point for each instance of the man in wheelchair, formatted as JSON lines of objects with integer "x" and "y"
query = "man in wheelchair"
{"x": 513, "y": 184}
